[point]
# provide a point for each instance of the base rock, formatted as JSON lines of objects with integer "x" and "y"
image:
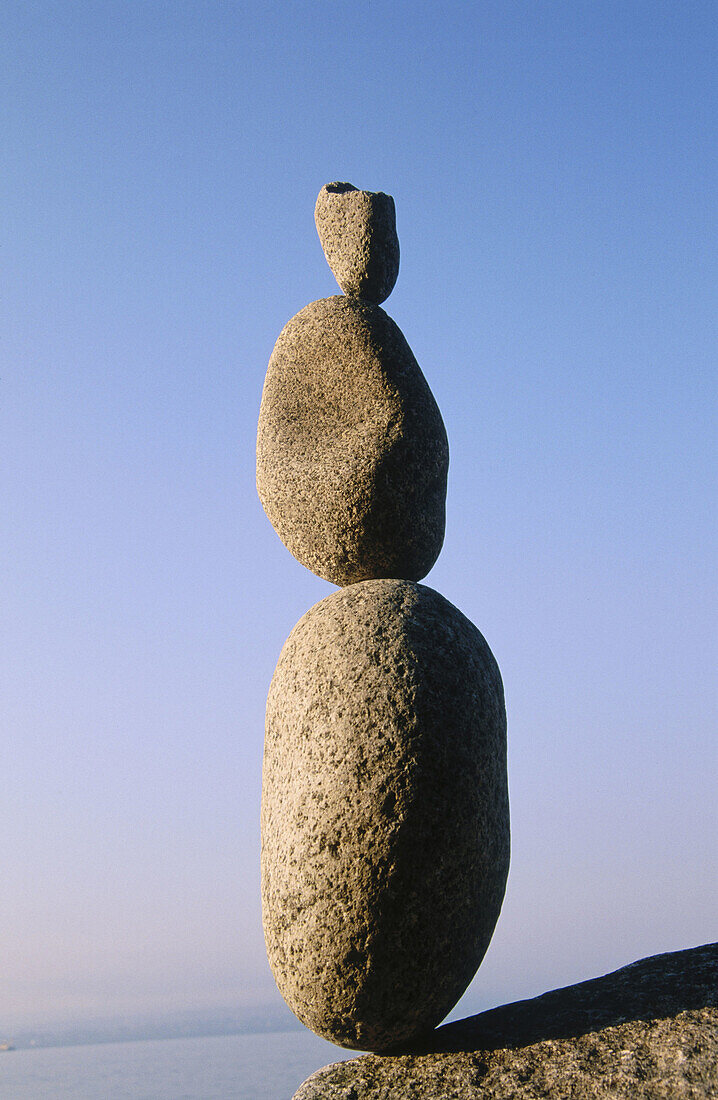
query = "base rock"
{"x": 648, "y": 1031}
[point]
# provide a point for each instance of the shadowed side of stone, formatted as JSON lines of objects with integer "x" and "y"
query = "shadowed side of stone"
{"x": 648, "y": 1031}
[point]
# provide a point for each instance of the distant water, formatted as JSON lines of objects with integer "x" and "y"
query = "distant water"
{"x": 271, "y": 1066}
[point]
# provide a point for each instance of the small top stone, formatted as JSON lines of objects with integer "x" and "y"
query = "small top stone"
{"x": 357, "y": 230}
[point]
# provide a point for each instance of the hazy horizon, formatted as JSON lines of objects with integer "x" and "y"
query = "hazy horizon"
{"x": 553, "y": 170}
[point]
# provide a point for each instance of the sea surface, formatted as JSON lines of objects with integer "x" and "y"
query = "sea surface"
{"x": 270, "y": 1066}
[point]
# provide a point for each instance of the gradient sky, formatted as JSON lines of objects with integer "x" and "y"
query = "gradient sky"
{"x": 553, "y": 167}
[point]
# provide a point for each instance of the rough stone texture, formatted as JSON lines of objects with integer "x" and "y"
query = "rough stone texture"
{"x": 385, "y": 818}
{"x": 648, "y": 1031}
{"x": 352, "y": 454}
{"x": 357, "y": 230}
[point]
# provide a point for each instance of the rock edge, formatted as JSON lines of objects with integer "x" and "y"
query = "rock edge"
{"x": 646, "y": 1031}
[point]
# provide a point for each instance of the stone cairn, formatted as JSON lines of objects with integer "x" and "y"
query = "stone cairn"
{"x": 385, "y": 818}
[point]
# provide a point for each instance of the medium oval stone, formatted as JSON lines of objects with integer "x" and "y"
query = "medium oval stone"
{"x": 357, "y": 230}
{"x": 352, "y": 455}
{"x": 385, "y": 818}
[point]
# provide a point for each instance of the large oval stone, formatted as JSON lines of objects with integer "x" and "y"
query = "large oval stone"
{"x": 385, "y": 818}
{"x": 352, "y": 455}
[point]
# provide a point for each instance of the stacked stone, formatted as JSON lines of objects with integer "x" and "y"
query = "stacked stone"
{"x": 385, "y": 820}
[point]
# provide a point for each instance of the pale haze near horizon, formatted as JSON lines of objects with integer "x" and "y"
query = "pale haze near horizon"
{"x": 553, "y": 169}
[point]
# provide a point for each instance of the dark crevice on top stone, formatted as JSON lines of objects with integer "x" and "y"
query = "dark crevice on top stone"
{"x": 340, "y": 188}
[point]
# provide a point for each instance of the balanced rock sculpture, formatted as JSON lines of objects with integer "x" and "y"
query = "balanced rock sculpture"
{"x": 385, "y": 821}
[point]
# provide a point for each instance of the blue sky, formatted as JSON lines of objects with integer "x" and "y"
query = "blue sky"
{"x": 553, "y": 167}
